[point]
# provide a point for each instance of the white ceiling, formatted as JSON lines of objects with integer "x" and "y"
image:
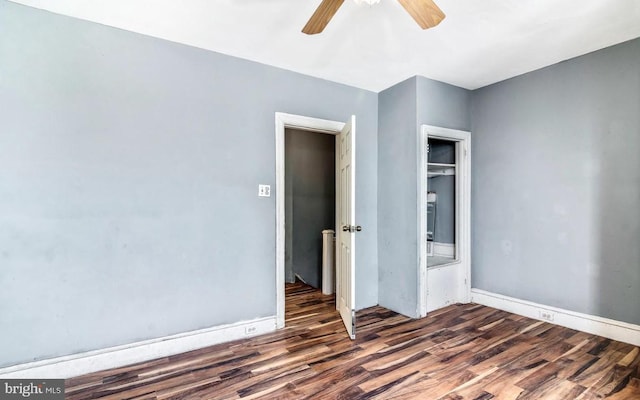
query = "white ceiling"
{"x": 480, "y": 41}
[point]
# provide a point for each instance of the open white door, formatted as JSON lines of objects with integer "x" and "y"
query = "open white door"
{"x": 345, "y": 257}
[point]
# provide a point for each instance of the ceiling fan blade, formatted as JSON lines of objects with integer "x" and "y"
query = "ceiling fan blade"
{"x": 426, "y": 13}
{"x": 322, "y": 16}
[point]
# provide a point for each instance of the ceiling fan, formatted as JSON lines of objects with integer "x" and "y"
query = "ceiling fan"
{"x": 425, "y": 12}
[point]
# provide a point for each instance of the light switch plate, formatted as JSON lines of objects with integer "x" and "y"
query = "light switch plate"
{"x": 264, "y": 190}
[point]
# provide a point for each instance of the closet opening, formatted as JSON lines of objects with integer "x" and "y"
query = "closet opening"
{"x": 444, "y": 207}
{"x": 441, "y": 202}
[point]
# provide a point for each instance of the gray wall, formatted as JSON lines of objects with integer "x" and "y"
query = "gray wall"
{"x": 443, "y": 105}
{"x": 556, "y": 185}
{"x": 445, "y": 187}
{"x": 403, "y": 108}
{"x": 397, "y": 197}
{"x": 129, "y": 169}
{"x": 310, "y": 161}
{"x": 288, "y": 211}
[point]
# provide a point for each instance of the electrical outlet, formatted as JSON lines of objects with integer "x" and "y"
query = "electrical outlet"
{"x": 264, "y": 190}
{"x": 546, "y": 315}
{"x": 250, "y": 330}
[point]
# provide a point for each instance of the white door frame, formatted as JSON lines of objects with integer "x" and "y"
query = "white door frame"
{"x": 463, "y": 211}
{"x": 284, "y": 121}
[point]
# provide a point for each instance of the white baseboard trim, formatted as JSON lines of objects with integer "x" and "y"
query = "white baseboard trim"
{"x": 118, "y": 356}
{"x": 444, "y": 249}
{"x": 609, "y": 328}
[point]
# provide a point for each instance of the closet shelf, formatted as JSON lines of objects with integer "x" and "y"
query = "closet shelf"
{"x": 438, "y": 169}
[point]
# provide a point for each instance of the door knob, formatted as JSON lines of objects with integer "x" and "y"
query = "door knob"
{"x": 346, "y": 228}
{"x": 358, "y": 228}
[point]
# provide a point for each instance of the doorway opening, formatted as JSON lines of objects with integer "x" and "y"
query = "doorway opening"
{"x": 344, "y": 134}
{"x": 310, "y": 199}
{"x": 444, "y": 207}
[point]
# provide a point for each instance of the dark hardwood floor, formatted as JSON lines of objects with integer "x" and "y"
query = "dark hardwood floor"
{"x": 460, "y": 352}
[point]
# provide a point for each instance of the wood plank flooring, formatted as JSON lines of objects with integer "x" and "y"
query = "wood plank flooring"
{"x": 460, "y": 352}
